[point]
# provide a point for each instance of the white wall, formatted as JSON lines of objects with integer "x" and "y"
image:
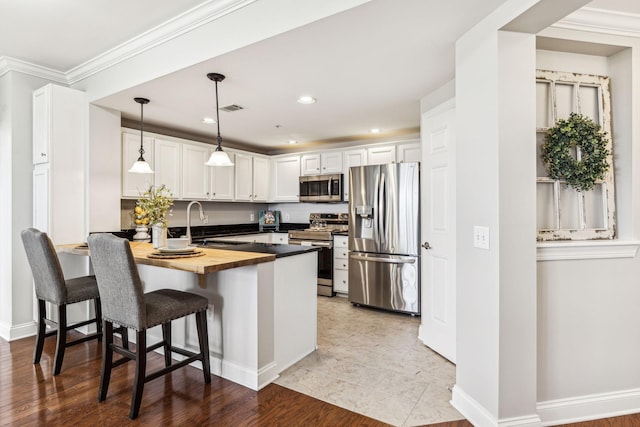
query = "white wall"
{"x": 105, "y": 154}
{"x": 496, "y": 288}
{"x": 588, "y": 317}
{"x": 16, "y": 288}
{"x": 5, "y": 208}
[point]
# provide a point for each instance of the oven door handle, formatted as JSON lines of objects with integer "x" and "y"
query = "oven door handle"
{"x": 387, "y": 260}
{"x": 311, "y": 243}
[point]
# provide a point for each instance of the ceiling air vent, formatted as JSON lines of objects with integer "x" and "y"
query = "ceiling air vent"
{"x": 231, "y": 108}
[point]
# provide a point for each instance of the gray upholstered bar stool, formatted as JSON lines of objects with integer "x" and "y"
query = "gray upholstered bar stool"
{"x": 52, "y": 287}
{"x": 125, "y": 303}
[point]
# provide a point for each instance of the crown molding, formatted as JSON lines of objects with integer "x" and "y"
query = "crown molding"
{"x": 12, "y": 64}
{"x": 602, "y": 21}
{"x": 181, "y": 24}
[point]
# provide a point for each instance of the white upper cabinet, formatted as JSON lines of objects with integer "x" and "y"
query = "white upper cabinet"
{"x": 410, "y": 152}
{"x": 167, "y": 159}
{"x": 310, "y": 164}
{"x": 285, "y": 172}
{"x": 321, "y": 163}
{"x": 356, "y": 157}
{"x": 244, "y": 177}
{"x": 381, "y": 155}
{"x": 260, "y": 179}
{"x": 60, "y": 184}
{"x": 331, "y": 162}
{"x": 195, "y": 174}
{"x": 41, "y": 124}
{"x": 135, "y": 183}
{"x": 222, "y": 180}
{"x": 252, "y": 178}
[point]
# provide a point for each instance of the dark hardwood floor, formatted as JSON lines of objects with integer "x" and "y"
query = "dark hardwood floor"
{"x": 31, "y": 396}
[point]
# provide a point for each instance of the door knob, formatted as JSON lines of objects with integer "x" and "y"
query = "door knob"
{"x": 426, "y": 245}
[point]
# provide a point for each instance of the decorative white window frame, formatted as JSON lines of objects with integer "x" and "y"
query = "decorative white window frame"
{"x": 603, "y": 197}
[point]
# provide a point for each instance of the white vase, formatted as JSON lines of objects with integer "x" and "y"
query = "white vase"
{"x": 142, "y": 234}
{"x": 159, "y": 235}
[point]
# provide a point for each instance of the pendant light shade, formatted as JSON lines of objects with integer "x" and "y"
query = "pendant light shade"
{"x": 141, "y": 165}
{"x": 218, "y": 157}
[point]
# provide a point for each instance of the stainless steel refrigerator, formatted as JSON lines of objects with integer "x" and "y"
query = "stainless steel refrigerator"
{"x": 384, "y": 233}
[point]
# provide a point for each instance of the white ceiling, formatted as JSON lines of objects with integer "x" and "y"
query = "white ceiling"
{"x": 368, "y": 67}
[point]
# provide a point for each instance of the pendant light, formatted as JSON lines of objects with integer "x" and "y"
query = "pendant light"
{"x": 218, "y": 157}
{"x": 141, "y": 166}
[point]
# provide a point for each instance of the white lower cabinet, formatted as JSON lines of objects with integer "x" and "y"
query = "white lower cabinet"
{"x": 341, "y": 264}
{"x": 280, "y": 238}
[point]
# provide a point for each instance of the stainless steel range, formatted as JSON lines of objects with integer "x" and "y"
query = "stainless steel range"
{"x": 320, "y": 233}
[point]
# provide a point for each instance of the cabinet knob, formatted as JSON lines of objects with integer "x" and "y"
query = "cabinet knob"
{"x": 43, "y": 154}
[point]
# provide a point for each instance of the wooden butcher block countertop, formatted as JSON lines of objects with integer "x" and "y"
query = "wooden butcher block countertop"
{"x": 213, "y": 259}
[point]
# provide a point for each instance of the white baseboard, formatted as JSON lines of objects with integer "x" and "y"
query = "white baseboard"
{"x": 479, "y": 416}
{"x": 16, "y": 332}
{"x": 471, "y": 409}
{"x": 590, "y": 407}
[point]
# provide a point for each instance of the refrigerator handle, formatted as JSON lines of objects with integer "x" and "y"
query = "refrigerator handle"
{"x": 382, "y": 212}
{"x": 385, "y": 260}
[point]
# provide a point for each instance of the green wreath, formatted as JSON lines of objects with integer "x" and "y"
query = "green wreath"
{"x": 558, "y": 152}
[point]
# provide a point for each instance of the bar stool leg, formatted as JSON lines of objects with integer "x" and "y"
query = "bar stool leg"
{"x": 141, "y": 365}
{"x": 61, "y": 338}
{"x": 203, "y": 340}
{"x": 98, "y": 309}
{"x": 166, "y": 337}
{"x": 107, "y": 360}
{"x": 42, "y": 326}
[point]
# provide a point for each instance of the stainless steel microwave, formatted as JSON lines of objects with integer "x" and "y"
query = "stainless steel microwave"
{"x": 321, "y": 188}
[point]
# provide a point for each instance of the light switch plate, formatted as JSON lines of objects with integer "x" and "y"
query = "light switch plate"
{"x": 481, "y": 237}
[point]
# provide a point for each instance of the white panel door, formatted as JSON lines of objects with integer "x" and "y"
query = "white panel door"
{"x": 438, "y": 321}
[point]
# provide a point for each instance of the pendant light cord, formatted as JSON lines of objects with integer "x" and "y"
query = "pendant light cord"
{"x": 218, "y": 119}
{"x": 141, "y": 158}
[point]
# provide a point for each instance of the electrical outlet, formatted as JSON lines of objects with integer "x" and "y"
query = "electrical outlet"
{"x": 481, "y": 237}
{"x": 287, "y": 217}
{"x": 252, "y": 217}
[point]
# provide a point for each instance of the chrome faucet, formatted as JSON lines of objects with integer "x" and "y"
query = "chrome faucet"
{"x": 203, "y": 218}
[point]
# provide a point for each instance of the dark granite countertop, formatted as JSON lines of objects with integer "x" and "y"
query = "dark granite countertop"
{"x": 212, "y": 231}
{"x": 278, "y": 250}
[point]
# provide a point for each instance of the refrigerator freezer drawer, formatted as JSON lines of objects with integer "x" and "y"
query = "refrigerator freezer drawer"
{"x": 385, "y": 281}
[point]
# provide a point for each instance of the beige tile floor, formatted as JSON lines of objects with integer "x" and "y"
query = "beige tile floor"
{"x": 371, "y": 362}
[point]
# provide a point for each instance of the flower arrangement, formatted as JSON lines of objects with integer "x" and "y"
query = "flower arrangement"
{"x": 153, "y": 206}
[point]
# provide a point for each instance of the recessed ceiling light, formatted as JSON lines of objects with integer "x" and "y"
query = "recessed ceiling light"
{"x": 208, "y": 120}
{"x": 306, "y": 99}
{"x": 375, "y": 130}
{"x": 293, "y": 141}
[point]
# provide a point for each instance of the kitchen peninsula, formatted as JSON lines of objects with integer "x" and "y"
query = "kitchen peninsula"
{"x": 262, "y": 313}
